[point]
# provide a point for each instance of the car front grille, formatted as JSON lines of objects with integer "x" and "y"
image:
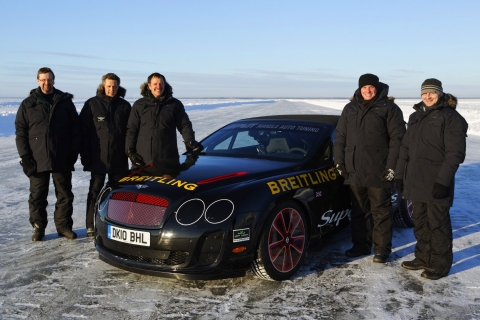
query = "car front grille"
{"x": 136, "y": 209}
{"x": 174, "y": 258}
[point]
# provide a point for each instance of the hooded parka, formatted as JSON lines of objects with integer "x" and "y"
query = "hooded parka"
{"x": 50, "y": 133}
{"x": 152, "y": 125}
{"x": 432, "y": 149}
{"x": 368, "y": 138}
{"x": 104, "y": 127}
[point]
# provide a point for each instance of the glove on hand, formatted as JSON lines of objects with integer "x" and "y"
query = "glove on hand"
{"x": 341, "y": 170}
{"x": 387, "y": 175}
{"x": 85, "y": 160}
{"x": 399, "y": 185}
{"x": 28, "y": 164}
{"x": 440, "y": 191}
{"x": 137, "y": 160}
{"x": 194, "y": 147}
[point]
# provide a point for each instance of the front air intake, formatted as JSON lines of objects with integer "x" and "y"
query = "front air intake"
{"x": 137, "y": 209}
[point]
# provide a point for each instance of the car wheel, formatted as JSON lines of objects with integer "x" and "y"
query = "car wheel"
{"x": 402, "y": 211}
{"x": 283, "y": 243}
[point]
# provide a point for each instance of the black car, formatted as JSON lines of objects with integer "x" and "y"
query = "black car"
{"x": 260, "y": 192}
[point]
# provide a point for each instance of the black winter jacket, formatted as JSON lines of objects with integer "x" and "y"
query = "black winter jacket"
{"x": 432, "y": 149}
{"x": 152, "y": 125}
{"x": 104, "y": 128}
{"x": 50, "y": 133}
{"x": 368, "y": 139}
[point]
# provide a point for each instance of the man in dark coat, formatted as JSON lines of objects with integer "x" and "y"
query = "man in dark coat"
{"x": 369, "y": 133}
{"x": 104, "y": 127}
{"x": 48, "y": 141}
{"x": 432, "y": 149}
{"x": 152, "y": 125}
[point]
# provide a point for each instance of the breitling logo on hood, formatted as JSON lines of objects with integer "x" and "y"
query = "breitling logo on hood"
{"x": 121, "y": 92}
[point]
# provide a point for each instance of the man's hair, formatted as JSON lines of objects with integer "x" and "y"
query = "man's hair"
{"x": 45, "y": 70}
{"x": 111, "y": 76}
{"x": 156, "y": 75}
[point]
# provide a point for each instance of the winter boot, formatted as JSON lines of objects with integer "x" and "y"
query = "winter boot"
{"x": 69, "y": 234}
{"x": 413, "y": 265}
{"x": 38, "y": 234}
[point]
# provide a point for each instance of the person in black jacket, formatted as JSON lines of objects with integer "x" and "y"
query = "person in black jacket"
{"x": 368, "y": 137}
{"x": 104, "y": 127}
{"x": 48, "y": 137}
{"x": 152, "y": 125}
{"x": 432, "y": 149}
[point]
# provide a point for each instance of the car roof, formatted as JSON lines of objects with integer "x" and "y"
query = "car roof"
{"x": 331, "y": 119}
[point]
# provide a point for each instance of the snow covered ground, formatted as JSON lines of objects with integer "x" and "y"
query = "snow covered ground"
{"x": 60, "y": 278}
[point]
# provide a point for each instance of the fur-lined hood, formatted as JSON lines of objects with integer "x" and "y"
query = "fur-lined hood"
{"x": 145, "y": 92}
{"x": 55, "y": 91}
{"x": 447, "y": 100}
{"x": 121, "y": 92}
{"x": 382, "y": 91}
{"x": 388, "y": 97}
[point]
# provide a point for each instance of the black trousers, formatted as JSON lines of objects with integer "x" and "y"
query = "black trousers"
{"x": 37, "y": 201}
{"x": 433, "y": 231}
{"x": 371, "y": 204}
{"x": 97, "y": 181}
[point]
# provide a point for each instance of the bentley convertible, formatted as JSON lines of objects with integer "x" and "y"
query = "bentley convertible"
{"x": 261, "y": 191}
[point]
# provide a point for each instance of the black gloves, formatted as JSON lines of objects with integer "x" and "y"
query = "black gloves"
{"x": 194, "y": 147}
{"x": 387, "y": 175}
{"x": 85, "y": 160}
{"x": 341, "y": 170}
{"x": 28, "y": 164}
{"x": 440, "y": 191}
{"x": 399, "y": 185}
{"x": 137, "y": 160}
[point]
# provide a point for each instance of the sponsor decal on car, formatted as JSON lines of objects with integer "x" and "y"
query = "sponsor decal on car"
{"x": 241, "y": 235}
{"x": 330, "y": 217}
{"x": 302, "y": 181}
{"x": 168, "y": 181}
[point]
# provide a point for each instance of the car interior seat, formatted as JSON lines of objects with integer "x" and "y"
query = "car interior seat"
{"x": 278, "y": 145}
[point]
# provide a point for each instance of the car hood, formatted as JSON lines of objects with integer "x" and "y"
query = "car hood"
{"x": 205, "y": 172}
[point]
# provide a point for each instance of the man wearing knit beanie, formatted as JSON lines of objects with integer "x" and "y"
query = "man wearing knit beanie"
{"x": 369, "y": 134}
{"x": 432, "y": 149}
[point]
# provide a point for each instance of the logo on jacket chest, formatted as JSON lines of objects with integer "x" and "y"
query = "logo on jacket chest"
{"x": 101, "y": 119}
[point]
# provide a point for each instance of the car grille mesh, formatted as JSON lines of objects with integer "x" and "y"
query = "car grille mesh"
{"x": 174, "y": 258}
{"x": 137, "y": 209}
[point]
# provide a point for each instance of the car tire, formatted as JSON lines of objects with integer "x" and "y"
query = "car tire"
{"x": 283, "y": 243}
{"x": 402, "y": 211}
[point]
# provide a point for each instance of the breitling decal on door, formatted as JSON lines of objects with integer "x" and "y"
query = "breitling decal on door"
{"x": 167, "y": 181}
{"x": 302, "y": 180}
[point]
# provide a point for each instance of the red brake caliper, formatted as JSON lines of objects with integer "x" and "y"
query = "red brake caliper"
{"x": 286, "y": 240}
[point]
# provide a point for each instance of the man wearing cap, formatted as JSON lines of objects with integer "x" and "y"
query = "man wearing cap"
{"x": 369, "y": 134}
{"x": 432, "y": 149}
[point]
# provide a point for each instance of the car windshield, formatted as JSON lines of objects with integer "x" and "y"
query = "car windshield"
{"x": 269, "y": 139}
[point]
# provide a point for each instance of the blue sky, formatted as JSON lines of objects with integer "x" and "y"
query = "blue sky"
{"x": 265, "y": 49}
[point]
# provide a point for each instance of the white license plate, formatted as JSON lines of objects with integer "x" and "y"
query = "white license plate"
{"x": 129, "y": 236}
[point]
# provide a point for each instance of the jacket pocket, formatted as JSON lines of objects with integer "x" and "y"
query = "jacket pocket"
{"x": 39, "y": 147}
{"x": 350, "y": 159}
{"x": 425, "y": 172}
{"x": 375, "y": 159}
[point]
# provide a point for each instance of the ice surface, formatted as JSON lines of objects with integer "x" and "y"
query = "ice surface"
{"x": 60, "y": 278}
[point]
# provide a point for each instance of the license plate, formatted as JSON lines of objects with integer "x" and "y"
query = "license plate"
{"x": 139, "y": 238}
